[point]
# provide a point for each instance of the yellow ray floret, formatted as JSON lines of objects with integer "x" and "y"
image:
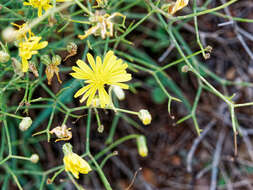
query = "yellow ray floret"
{"x": 110, "y": 71}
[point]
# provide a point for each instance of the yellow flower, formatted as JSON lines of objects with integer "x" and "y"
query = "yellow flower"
{"x": 28, "y": 48}
{"x": 40, "y": 5}
{"x": 111, "y": 71}
{"x": 178, "y": 5}
{"x": 74, "y": 163}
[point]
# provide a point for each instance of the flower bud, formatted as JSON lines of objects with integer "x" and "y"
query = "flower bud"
{"x": 142, "y": 146}
{"x": 101, "y": 128}
{"x": 56, "y": 60}
{"x": 118, "y": 92}
{"x": 9, "y": 34}
{"x": 185, "y": 69}
{"x": 4, "y": 57}
{"x": 25, "y": 123}
{"x": 34, "y": 158}
{"x": 144, "y": 116}
{"x": 45, "y": 59}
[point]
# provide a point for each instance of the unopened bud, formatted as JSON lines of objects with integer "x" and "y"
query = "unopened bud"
{"x": 142, "y": 146}
{"x": 101, "y": 128}
{"x": 185, "y": 69}
{"x": 118, "y": 92}
{"x": 4, "y": 57}
{"x": 25, "y": 123}
{"x": 56, "y": 60}
{"x": 144, "y": 116}
{"x": 9, "y": 34}
{"x": 34, "y": 158}
{"x": 45, "y": 59}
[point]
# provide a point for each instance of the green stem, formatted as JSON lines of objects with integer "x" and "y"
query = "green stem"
{"x": 88, "y": 132}
{"x": 101, "y": 173}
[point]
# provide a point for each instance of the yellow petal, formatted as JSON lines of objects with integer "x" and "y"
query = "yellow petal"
{"x": 91, "y": 96}
{"x": 83, "y": 66}
{"x": 91, "y": 61}
{"x": 81, "y": 91}
{"x": 25, "y": 65}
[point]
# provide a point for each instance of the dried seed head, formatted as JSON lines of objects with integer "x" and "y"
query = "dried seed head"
{"x": 34, "y": 158}
{"x": 25, "y": 123}
{"x": 4, "y": 57}
{"x": 71, "y": 47}
{"x": 145, "y": 116}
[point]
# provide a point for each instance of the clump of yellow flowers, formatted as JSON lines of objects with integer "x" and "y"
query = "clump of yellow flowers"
{"x": 28, "y": 48}
{"x": 73, "y": 162}
{"x": 28, "y": 45}
{"x": 42, "y": 4}
{"x": 110, "y": 71}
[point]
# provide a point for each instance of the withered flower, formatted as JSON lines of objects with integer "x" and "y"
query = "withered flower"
{"x": 62, "y": 133}
{"x": 52, "y": 67}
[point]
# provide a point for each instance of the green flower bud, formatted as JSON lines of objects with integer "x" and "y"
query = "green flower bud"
{"x": 142, "y": 146}
{"x": 67, "y": 148}
{"x": 144, "y": 116}
{"x": 56, "y": 60}
{"x": 45, "y": 59}
{"x": 4, "y": 57}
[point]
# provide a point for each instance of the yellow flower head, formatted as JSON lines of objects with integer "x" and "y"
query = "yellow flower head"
{"x": 111, "y": 71}
{"x": 74, "y": 163}
{"x": 40, "y": 5}
{"x": 28, "y": 48}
